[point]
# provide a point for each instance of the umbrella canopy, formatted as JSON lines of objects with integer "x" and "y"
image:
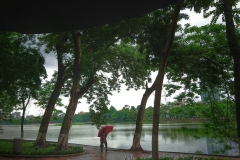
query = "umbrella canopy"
{"x": 38, "y": 16}
{"x": 107, "y": 129}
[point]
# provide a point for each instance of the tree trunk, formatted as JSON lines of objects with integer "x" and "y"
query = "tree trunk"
{"x": 62, "y": 143}
{"x": 159, "y": 81}
{"x": 24, "y": 92}
{"x": 235, "y": 51}
{"x": 136, "y": 146}
{"x": 41, "y": 137}
{"x": 22, "y": 121}
{"x": 64, "y": 137}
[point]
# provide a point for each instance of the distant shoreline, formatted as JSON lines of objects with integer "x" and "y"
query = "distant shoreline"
{"x": 161, "y": 122}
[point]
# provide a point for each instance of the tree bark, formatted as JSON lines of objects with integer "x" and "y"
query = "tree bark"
{"x": 62, "y": 143}
{"x": 24, "y": 109}
{"x": 41, "y": 137}
{"x": 235, "y": 51}
{"x": 159, "y": 81}
{"x": 22, "y": 121}
{"x": 136, "y": 146}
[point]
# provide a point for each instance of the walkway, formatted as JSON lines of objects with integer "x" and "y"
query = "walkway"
{"x": 94, "y": 153}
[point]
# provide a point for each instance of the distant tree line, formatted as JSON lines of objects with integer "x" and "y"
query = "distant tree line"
{"x": 171, "y": 110}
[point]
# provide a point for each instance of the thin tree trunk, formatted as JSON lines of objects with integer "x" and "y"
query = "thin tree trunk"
{"x": 62, "y": 143}
{"x": 22, "y": 121}
{"x": 41, "y": 137}
{"x": 159, "y": 82}
{"x": 24, "y": 110}
{"x": 136, "y": 146}
{"x": 235, "y": 51}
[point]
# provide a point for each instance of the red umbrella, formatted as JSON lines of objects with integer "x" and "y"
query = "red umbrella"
{"x": 108, "y": 129}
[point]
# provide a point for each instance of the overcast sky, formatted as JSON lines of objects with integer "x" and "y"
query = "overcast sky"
{"x": 119, "y": 100}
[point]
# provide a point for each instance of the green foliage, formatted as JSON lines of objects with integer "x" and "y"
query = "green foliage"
{"x": 129, "y": 62}
{"x": 21, "y": 71}
{"x": 35, "y": 120}
{"x": 222, "y": 124}
{"x": 42, "y": 98}
{"x": 205, "y": 68}
{"x": 219, "y": 119}
{"x": 28, "y": 149}
{"x": 198, "y": 152}
{"x": 106, "y": 61}
{"x": 206, "y": 64}
{"x": 20, "y": 60}
{"x": 150, "y": 33}
{"x": 167, "y": 111}
{"x": 98, "y": 114}
{"x": 122, "y": 65}
{"x": 82, "y": 117}
{"x": 44, "y": 93}
{"x": 213, "y": 8}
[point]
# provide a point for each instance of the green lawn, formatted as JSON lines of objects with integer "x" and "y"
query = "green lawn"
{"x": 28, "y": 149}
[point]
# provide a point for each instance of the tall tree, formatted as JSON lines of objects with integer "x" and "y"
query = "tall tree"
{"x": 123, "y": 62}
{"x": 21, "y": 66}
{"x": 159, "y": 81}
{"x": 59, "y": 82}
{"x": 63, "y": 136}
{"x": 102, "y": 58}
{"x": 151, "y": 36}
{"x": 235, "y": 51}
{"x": 107, "y": 65}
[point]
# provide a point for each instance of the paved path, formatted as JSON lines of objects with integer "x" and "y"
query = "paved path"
{"x": 91, "y": 153}
{"x": 94, "y": 153}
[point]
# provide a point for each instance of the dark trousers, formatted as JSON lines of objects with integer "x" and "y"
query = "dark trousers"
{"x": 102, "y": 144}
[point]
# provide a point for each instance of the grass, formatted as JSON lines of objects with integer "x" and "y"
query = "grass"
{"x": 28, "y": 149}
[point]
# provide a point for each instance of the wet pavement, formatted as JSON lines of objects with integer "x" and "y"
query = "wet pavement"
{"x": 91, "y": 153}
{"x": 94, "y": 153}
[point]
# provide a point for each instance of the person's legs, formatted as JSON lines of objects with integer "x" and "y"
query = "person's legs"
{"x": 101, "y": 145}
{"x": 106, "y": 146}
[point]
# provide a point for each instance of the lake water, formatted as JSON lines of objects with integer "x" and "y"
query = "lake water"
{"x": 171, "y": 136}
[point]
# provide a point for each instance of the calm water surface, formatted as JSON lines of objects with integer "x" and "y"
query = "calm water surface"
{"x": 171, "y": 136}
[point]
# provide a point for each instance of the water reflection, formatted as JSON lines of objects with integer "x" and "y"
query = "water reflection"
{"x": 176, "y": 138}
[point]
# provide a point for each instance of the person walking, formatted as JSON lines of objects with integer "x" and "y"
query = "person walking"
{"x": 103, "y": 139}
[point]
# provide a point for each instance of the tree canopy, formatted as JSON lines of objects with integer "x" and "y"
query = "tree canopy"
{"x": 21, "y": 67}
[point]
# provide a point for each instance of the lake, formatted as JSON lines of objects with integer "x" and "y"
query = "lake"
{"x": 179, "y": 137}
